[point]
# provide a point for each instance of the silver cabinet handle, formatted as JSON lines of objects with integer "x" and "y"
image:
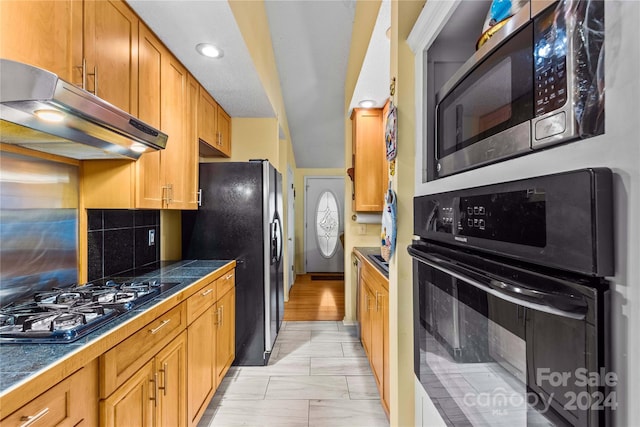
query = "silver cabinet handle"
{"x": 169, "y": 193}
{"x": 200, "y": 197}
{"x": 377, "y": 306}
{"x": 207, "y": 292}
{"x": 218, "y": 320}
{"x": 229, "y": 276}
{"x": 30, "y": 419}
{"x": 165, "y": 197}
{"x": 95, "y": 80}
{"x": 222, "y": 316}
{"x": 162, "y": 325}
{"x": 155, "y": 389}
{"x": 165, "y": 374}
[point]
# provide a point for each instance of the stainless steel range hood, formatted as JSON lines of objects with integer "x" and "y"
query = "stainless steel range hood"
{"x": 87, "y": 127}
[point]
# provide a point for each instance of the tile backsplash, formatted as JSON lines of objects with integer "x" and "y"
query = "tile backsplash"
{"x": 119, "y": 240}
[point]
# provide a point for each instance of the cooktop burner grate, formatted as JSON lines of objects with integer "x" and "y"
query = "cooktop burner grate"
{"x": 67, "y": 314}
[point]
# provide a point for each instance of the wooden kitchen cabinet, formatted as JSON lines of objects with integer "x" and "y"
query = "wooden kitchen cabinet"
{"x": 374, "y": 325}
{"x": 46, "y": 34}
{"x": 224, "y": 132}
{"x": 72, "y": 402}
{"x": 225, "y": 334}
{"x": 111, "y": 52}
{"x": 207, "y": 117}
{"x": 142, "y": 379}
{"x": 154, "y": 394}
{"x": 201, "y": 364}
{"x": 131, "y": 404}
{"x": 211, "y": 342}
{"x": 214, "y": 127}
{"x": 369, "y": 160}
{"x": 92, "y": 44}
{"x": 170, "y": 384}
{"x": 166, "y": 179}
{"x": 151, "y": 52}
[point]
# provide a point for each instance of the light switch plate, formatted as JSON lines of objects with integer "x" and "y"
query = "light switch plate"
{"x": 152, "y": 237}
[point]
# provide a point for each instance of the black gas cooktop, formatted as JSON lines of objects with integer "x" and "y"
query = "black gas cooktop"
{"x": 67, "y": 314}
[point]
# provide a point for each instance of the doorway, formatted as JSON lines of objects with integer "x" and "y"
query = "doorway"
{"x": 324, "y": 224}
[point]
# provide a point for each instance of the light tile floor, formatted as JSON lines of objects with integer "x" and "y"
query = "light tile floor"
{"x": 318, "y": 376}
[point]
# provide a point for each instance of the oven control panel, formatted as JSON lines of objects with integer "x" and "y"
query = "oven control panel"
{"x": 563, "y": 220}
{"x": 513, "y": 217}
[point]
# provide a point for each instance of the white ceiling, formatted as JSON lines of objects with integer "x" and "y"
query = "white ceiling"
{"x": 232, "y": 80}
{"x": 373, "y": 82}
{"x": 311, "y": 41}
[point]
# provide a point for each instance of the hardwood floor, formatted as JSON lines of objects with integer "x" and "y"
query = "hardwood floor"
{"x": 315, "y": 299}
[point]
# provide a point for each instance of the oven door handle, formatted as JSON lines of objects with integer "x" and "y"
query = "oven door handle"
{"x": 513, "y": 293}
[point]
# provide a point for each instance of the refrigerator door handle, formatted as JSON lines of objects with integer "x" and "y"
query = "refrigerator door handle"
{"x": 279, "y": 238}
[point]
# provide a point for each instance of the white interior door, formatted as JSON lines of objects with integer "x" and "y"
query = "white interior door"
{"x": 291, "y": 227}
{"x": 324, "y": 222}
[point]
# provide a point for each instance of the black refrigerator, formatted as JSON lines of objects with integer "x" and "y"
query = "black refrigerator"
{"x": 239, "y": 218}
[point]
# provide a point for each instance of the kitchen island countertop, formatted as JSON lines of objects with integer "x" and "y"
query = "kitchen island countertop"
{"x": 22, "y": 363}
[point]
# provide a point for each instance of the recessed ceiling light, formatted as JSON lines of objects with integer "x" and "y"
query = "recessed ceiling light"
{"x": 209, "y": 50}
{"x": 50, "y": 115}
{"x": 367, "y": 103}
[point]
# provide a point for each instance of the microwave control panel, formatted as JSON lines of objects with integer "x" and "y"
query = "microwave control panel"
{"x": 550, "y": 62}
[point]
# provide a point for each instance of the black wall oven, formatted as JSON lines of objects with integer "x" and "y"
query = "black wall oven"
{"x": 510, "y": 301}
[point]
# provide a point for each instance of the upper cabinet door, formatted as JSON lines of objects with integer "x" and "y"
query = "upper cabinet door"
{"x": 111, "y": 52}
{"x": 47, "y": 34}
{"x": 149, "y": 191}
{"x": 370, "y": 160}
{"x": 224, "y": 132}
{"x": 173, "y": 122}
{"x": 207, "y": 116}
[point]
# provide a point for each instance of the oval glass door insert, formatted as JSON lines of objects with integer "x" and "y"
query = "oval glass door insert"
{"x": 327, "y": 224}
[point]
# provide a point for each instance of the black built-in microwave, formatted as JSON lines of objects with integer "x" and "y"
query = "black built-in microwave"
{"x": 539, "y": 81}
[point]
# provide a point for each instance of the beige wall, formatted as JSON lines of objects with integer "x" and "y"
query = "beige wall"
{"x": 403, "y": 17}
{"x": 251, "y": 17}
{"x": 252, "y": 138}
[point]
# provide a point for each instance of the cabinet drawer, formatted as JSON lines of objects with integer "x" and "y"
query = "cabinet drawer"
{"x": 375, "y": 279}
{"x": 199, "y": 302}
{"x": 49, "y": 409}
{"x": 123, "y": 360}
{"x": 226, "y": 282}
{"x": 71, "y": 402}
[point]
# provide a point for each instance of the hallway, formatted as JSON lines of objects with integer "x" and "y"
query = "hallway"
{"x": 317, "y": 296}
{"x": 318, "y": 374}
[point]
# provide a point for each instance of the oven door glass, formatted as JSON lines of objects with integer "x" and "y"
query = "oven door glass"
{"x": 489, "y": 361}
{"x": 495, "y": 96}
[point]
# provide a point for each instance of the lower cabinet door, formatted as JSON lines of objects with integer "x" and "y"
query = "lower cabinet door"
{"x": 225, "y": 337}
{"x": 201, "y": 352}
{"x": 170, "y": 374}
{"x": 132, "y": 403}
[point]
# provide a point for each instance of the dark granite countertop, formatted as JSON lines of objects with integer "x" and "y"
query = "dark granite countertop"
{"x": 368, "y": 252}
{"x": 21, "y": 362}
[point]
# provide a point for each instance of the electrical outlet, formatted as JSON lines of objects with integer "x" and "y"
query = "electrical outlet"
{"x": 152, "y": 237}
{"x": 362, "y": 229}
